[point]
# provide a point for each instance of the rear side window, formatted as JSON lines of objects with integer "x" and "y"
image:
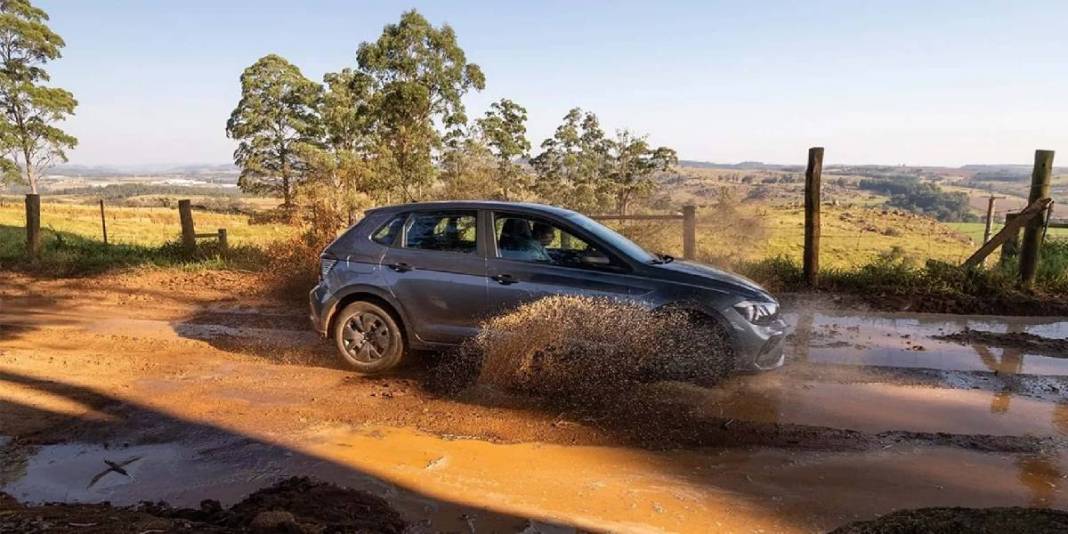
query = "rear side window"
{"x": 453, "y": 231}
{"x": 387, "y": 234}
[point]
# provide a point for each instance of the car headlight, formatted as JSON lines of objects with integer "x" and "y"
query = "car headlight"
{"x": 757, "y": 312}
{"x": 325, "y": 264}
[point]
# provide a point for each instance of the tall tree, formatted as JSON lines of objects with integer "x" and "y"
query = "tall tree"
{"x": 504, "y": 127}
{"x": 346, "y": 110}
{"x": 468, "y": 168}
{"x": 632, "y": 166}
{"x": 420, "y": 74}
{"x": 275, "y": 119}
{"x": 29, "y": 109}
{"x": 573, "y": 165}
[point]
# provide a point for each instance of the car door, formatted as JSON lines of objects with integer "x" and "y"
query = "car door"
{"x": 533, "y": 257}
{"x": 437, "y": 273}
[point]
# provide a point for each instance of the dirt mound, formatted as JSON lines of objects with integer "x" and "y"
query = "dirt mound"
{"x": 1012, "y": 340}
{"x": 582, "y": 348}
{"x": 296, "y": 505}
{"x": 956, "y": 520}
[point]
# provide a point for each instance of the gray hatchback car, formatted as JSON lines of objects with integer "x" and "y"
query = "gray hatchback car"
{"x": 425, "y": 276}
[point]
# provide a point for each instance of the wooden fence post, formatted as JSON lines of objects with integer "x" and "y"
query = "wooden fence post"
{"x": 689, "y": 232}
{"x": 189, "y": 236}
{"x": 813, "y": 173}
{"x": 33, "y": 225}
{"x": 989, "y": 217}
{"x": 1011, "y": 248}
{"x": 223, "y": 244}
{"x": 103, "y": 222}
{"x": 1032, "y": 238}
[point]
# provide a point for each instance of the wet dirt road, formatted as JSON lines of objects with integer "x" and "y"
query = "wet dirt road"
{"x": 203, "y": 395}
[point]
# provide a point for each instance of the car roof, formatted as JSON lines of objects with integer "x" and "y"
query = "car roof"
{"x": 474, "y": 205}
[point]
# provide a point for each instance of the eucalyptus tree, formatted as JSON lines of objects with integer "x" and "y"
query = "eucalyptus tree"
{"x": 632, "y": 165}
{"x": 275, "y": 122}
{"x": 573, "y": 165}
{"x": 419, "y": 75}
{"x": 29, "y": 108}
{"x": 504, "y": 128}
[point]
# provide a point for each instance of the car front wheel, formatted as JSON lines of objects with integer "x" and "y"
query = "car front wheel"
{"x": 368, "y": 338}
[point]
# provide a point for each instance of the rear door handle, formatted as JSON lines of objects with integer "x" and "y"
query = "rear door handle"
{"x": 505, "y": 279}
{"x": 400, "y": 267}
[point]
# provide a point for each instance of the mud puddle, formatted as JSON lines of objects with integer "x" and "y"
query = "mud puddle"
{"x": 910, "y": 340}
{"x": 184, "y": 473}
{"x": 881, "y": 407}
{"x": 617, "y": 489}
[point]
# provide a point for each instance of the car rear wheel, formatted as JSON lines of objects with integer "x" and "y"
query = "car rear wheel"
{"x": 368, "y": 338}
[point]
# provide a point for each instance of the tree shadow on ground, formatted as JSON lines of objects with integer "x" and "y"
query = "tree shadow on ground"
{"x": 212, "y": 462}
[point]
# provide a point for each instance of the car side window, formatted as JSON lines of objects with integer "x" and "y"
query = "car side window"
{"x": 535, "y": 240}
{"x": 454, "y": 231}
{"x": 387, "y": 234}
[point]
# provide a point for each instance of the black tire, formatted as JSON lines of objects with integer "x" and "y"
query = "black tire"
{"x": 368, "y": 338}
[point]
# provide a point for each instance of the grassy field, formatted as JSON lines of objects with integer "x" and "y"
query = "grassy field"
{"x": 139, "y": 226}
{"x": 975, "y": 230}
{"x": 851, "y": 237}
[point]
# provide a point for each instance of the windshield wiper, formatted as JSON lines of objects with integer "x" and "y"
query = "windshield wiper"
{"x": 662, "y": 259}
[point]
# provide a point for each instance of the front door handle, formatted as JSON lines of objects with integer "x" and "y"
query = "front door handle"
{"x": 400, "y": 267}
{"x": 504, "y": 279}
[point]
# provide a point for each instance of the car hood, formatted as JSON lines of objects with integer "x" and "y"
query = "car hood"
{"x": 711, "y": 277}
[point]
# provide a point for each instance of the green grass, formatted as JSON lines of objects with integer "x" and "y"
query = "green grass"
{"x": 975, "y": 230}
{"x": 152, "y": 227}
{"x": 72, "y": 242}
{"x": 851, "y": 236}
{"x": 68, "y": 254}
{"x": 944, "y": 286}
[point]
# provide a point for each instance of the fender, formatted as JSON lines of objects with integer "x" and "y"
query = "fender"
{"x": 345, "y": 294}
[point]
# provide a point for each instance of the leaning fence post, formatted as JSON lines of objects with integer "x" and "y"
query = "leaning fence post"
{"x": 223, "y": 244}
{"x": 1032, "y": 237}
{"x": 812, "y": 215}
{"x": 33, "y": 225}
{"x": 689, "y": 232}
{"x": 189, "y": 236}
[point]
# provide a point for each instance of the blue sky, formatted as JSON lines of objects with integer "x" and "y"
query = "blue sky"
{"x": 886, "y": 82}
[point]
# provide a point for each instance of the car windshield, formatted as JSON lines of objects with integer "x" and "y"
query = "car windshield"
{"x": 613, "y": 238}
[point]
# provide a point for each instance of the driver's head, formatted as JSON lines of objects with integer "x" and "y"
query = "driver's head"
{"x": 543, "y": 233}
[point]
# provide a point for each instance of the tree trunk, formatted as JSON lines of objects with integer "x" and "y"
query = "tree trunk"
{"x": 286, "y": 200}
{"x": 30, "y": 178}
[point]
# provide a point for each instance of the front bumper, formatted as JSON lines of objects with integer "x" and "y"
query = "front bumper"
{"x": 320, "y": 307}
{"x": 759, "y": 347}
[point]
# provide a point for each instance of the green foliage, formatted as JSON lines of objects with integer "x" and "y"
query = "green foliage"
{"x": 909, "y": 193}
{"x": 505, "y": 130}
{"x": 275, "y": 120}
{"x": 632, "y": 165}
{"x": 470, "y": 171}
{"x": 29, "y": 109}
{"x": 573, "y": 163}
{"x": 419, "y": 74}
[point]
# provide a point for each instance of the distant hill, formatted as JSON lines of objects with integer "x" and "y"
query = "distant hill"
{"x": 89, "y": 171}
